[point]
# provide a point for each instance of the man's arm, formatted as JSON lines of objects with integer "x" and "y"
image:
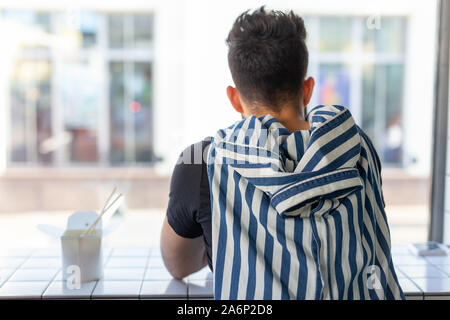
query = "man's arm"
{"x": 182, "y": 244}
{"x": 182, "y": 256}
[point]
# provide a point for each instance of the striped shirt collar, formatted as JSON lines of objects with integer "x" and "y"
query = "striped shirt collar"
{"x": 279, "y": 163}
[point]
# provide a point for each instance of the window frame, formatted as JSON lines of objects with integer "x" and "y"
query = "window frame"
{"x": 440, "y": 125}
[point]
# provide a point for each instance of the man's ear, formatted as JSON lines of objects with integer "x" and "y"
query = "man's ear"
{"x": 308, "y": 87}
{"x": 233, "y": 96}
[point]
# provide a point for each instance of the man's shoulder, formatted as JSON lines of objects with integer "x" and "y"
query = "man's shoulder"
{"x": 195, "y": 153}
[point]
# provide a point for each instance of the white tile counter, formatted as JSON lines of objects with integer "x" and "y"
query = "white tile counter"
{"x": 139, "y": 273}
{"x": 129, "y": 273}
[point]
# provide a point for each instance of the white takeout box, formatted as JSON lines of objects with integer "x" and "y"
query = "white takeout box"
{"x": 78, "y": 250}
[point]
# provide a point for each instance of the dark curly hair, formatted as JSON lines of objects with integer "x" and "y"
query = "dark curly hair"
{"x": 268, "y": 57}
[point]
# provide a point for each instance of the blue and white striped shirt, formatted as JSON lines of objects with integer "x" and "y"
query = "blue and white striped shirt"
{"x": 299, "y": 215}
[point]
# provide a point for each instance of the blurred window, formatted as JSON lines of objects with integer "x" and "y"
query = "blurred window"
{"x": 30, "y": 111}
{"x": 130, "y": 30}
{"x": 130, "y": 81}
{"x": 333, "y": 34}
{"x": 362, "y": 67}
{"x": 81, "y": 88}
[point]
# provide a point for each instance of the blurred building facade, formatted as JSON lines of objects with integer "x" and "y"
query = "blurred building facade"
{"x": 95, "y": 94}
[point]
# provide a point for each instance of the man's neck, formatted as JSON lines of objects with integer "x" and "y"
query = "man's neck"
{"x": 289, "y": 117}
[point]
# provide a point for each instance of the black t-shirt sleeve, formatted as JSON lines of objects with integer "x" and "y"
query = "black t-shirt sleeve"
{"x": 184, "y": 196}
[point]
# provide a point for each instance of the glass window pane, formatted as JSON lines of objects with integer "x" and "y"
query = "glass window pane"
{"x": 77, "y": 29}
{"x": 335, "y": 34}
{"x": 117, "y": 112}
{"x": 30, "y": 112}
{"x": 143, "y": 113}
{"x": 18, "y": 148}
{"x": 143, "y": 31}
{"x": 393, "y": 150}
{"x": 42, "y": 94}
{"x": 368, "y": 102}
{"x": 88, "y": 28}
{"x": 394, "y": 90}
{"x": 115, "y": 30}
{"x": 80, "y": 100}
{"x": 83, "y": 25}
{"x": 389, "y": 38}
{"x": 382, "y": 110}
{"x": 131, "y": 112}
{"x": 130, "y": 31}
{"x": 334, "y": 84}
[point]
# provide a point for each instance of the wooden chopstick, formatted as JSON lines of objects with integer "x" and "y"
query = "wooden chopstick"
{"x": 108, "y": 200}
{"x": 104, "y": 209}
{"x": 92, "y": 227}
